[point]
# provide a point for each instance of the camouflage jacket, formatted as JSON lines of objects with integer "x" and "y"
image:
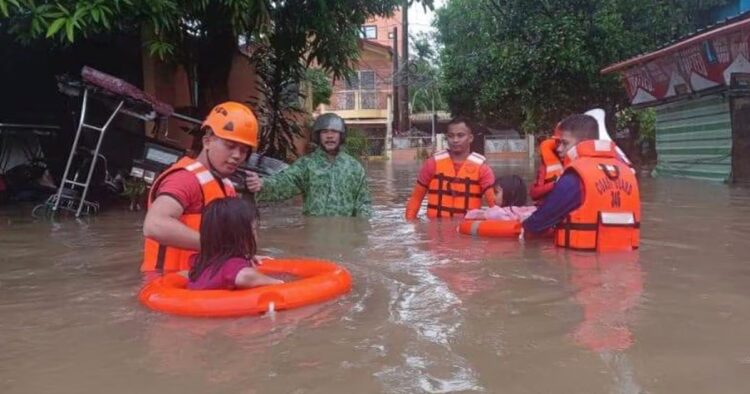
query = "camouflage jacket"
{"x": 337, "y": 188}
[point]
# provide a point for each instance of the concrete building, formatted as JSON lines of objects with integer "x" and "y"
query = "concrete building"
{"x": 365, "y": 100}
{"x": 700, "y": 89}
{"x": 380, "y": 30}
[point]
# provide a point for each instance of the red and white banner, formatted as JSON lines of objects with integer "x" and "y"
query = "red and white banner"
{"x": 683, "y": 69}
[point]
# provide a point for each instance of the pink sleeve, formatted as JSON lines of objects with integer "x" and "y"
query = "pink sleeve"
{"x": 486, "y": 177}
{"x": 427, "y": 172}
{"x": 183, "y": 187}
{"x": 231, "y": 268}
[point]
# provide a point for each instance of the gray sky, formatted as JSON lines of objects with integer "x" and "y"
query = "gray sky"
{"x": 419, "y": 20}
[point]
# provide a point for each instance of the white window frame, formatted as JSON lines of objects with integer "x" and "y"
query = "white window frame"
{"x": 371, "y": 28}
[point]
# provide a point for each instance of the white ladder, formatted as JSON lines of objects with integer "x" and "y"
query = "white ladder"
{"x": 73, "y": 202}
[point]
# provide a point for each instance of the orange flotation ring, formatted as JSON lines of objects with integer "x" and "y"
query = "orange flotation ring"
{"x": 491, "y": 228}
{"x": 320, "y": 281}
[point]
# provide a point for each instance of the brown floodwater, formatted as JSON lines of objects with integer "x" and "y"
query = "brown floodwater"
{"x": 431, "y": 310}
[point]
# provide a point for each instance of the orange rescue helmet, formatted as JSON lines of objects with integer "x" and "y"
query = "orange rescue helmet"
{"x": 234, "y": 122}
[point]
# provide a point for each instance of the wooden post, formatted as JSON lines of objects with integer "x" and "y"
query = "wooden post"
{"x": 531, "y": 146}
{"x": 396, "y": 115}
{"x": 403, "y": 94}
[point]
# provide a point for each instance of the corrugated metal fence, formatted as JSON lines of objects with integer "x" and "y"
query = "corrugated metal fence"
{"x": 694, "y": 139}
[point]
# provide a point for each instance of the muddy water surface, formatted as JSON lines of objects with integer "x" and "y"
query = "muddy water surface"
{"x": 431, "y": 310}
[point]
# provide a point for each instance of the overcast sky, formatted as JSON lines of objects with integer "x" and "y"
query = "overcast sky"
{"x": 419, "y": 20}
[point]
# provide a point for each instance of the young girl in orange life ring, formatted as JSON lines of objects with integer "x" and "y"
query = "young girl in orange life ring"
{"x": 227, "y": 256}
{"x": 226, "y": 280}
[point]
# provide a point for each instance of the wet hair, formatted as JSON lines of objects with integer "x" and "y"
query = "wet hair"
{"x": 582, "y": 127}
{"x": 226, "y": 231}
{"x": 461, "y": 119}
{"x": 514, "y": 190}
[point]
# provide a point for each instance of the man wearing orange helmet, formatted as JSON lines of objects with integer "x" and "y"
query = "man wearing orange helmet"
{"x": 178, "y": 196}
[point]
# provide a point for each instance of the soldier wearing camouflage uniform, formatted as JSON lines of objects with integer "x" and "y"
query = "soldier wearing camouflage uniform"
{"x": 331, "y": 182}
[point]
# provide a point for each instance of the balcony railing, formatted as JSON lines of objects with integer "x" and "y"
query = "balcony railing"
{"x": 352, "y": 100}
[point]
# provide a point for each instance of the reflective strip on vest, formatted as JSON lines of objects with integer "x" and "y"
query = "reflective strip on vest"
{"x": 477, "y": 159}
{"x": 204, "y": 177}
{"x": 193, "y": 166}
{"x": 618, "y": 218}
{"x": 602, "y": 146}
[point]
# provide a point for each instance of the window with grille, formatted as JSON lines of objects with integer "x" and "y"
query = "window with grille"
{"x": 345, "y": 100}
{"x": 368, "y": 95}
{"x": 369, "y": 100}
{"x": 361, "y": 84}
{"x": 352, "y": 83}
{"x": 367, "y": 80}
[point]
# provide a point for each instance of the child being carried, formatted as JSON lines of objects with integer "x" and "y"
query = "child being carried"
{"x": 510, "y": 200}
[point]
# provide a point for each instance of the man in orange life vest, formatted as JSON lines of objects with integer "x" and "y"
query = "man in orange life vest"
{"x": 595, "y": 205}
{"x": 456, "y": 179}
{"x": 179, "y": 194}
{"x": 551, "y": 167}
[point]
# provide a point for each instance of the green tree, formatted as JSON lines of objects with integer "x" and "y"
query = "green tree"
{"x": 302, "y": 34}
{"x": 203, "y": 36}
{"x": 424, "y": 76}
{"x": 640, "y": 122}
{"x": 321, "y": 86}
{"x": 530, "y": 63}
{"x": 356, "y": 143}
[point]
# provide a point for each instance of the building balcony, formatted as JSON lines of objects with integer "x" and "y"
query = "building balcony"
{"x": 359, "y": 104}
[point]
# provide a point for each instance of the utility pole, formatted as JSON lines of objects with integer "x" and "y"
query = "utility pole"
{"x": 395, "y": 84}
{"x": 434, "y": 120}
{"x": 404, "y": 80}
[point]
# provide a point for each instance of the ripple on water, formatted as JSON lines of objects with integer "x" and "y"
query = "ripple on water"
{"x": 431, "y": 310}
{"x": 429, "y": 373}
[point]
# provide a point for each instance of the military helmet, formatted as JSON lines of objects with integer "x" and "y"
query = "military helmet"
{"x": 329, "y": 121}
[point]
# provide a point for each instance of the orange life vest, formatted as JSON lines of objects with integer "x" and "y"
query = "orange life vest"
{"x": 609, "y": 217}
{"x": 553, "y": 168}
{"x": 159, "y": 257}
{"x": 454, "y": 194}
{"x": 549, "y": 171}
